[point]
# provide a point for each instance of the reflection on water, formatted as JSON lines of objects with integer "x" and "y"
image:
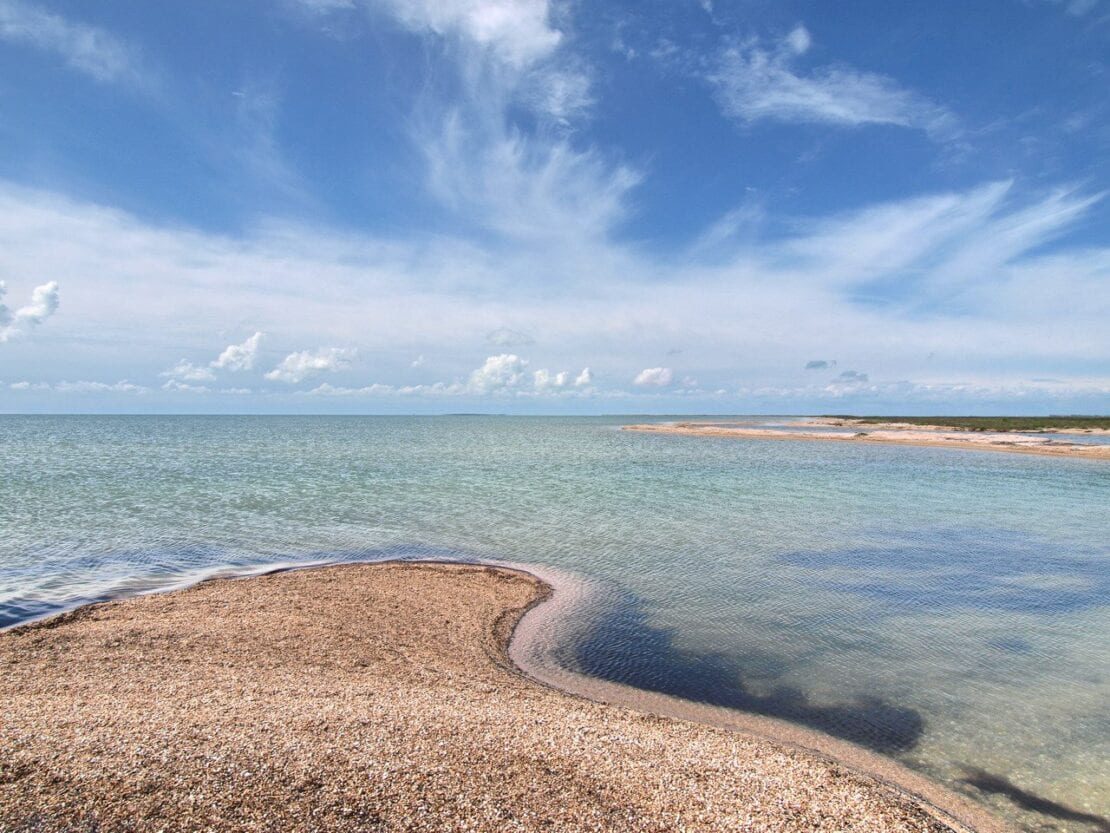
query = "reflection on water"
{"x": 948, "y": 608}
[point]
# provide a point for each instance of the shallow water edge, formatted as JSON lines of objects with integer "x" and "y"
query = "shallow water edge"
{"x": 562, "y": 611}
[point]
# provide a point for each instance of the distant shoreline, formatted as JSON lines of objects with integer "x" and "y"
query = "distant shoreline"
{"x": 888, "y": 434}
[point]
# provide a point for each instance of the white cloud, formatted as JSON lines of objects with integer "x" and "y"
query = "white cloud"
{"x": 369, "y": 390}
{"x": 89, "y": 49}
{"x": 80, "y": 387}
{"x": 504, "y": 374}
{"x": 175, "y": 386}
{"x": 239, "y": 356}
{"x": 546, "y": 380}
{"x": 44, "y": 303}
{"x": 497, "y": 374}
{"x": 525, "y": 189}
{"x": 563, "y": 95}
{"x": 296, "y": 367}
{"x": 658, "y": 377}
{"x": 189, "y": 372}
{"x": 418, "y": 361}
{"x": 754, "y": 82}
{"x": 517, "y": 32}
{"x": 972, "y": 282}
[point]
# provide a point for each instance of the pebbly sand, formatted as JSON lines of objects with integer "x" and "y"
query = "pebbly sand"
{"x": 891, "y": 434}
{"x": 374, "y": 697}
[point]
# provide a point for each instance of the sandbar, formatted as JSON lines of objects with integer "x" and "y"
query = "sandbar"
{"x": 375, "y": 697}
{"x": 887, "y": 434}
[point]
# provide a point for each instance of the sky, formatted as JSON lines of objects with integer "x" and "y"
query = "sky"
{"x": 555, "y": 206}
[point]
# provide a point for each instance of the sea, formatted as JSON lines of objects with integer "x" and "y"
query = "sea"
{"x": 944, "y": 607}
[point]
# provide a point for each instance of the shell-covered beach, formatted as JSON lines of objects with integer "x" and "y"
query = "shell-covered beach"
{"x": 371, "y": 697}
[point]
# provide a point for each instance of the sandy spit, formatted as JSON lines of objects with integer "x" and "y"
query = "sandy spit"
{"x": 370, "y": 697}
{"x": 892, "y": 434}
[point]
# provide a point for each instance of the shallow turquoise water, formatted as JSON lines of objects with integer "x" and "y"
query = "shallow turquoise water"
{"x": 946, "y": 607}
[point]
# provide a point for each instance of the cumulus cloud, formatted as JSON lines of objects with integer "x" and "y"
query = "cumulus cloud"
{"x": 498, "y": 373}
{"x": 755, "y": 82}
{"x": 504, "y": 374}
{"x": 88, "y": 49}
{"x": 296, "y": 367}
{"x": 820, "y": 364}
{"x": 239, "y": 356}
{"x": 44, "y": 303}
{"x": 658, "y": 377}
{"x": 546, "y": 380}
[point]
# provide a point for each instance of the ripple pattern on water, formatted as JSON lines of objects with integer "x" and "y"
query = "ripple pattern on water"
{"x": 946, "y": 607}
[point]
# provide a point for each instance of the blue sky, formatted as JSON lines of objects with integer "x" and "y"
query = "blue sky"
{"x": 541, "y": 206}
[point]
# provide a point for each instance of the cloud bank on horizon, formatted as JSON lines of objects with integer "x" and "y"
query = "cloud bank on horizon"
{"x": 537, "y": 205}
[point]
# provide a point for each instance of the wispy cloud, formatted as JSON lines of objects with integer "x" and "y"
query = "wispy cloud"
{"x": 524, "y": 182}
{"x": 80, "y": 387}
{"x": 518, "y": 32}
{"x": 755, "y": 82}
{"x": 971, "y": 283}
{"x": 88, "y": 49}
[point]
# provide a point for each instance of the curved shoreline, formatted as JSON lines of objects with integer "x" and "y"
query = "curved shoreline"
{"x": 523, "y": 636}
{"x": 533, "y": 637}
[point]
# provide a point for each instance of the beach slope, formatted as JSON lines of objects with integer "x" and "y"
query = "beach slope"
{"x": 369, "y": 697}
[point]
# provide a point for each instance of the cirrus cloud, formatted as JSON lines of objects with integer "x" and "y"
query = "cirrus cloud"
{"x": 754, "y": 82}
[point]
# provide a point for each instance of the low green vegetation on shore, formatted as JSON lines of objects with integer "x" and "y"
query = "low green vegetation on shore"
{"x": 999, "y": 423}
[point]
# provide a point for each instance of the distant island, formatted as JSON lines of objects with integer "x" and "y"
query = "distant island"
{"x": 1061, "y": 436}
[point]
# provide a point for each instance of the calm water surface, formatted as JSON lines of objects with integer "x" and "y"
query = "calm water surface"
{"x": 948, "y": 608}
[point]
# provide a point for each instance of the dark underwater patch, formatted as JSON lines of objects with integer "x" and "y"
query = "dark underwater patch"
{"x": 623, "y": 647}
{"x": 991, "y": 783}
